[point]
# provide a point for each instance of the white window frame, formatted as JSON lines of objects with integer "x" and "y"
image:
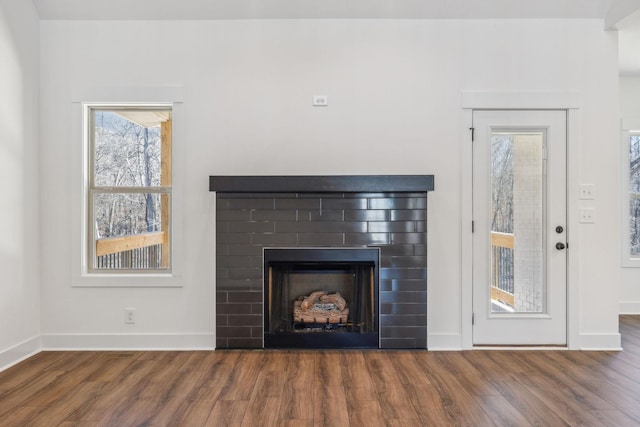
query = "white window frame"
{"x": 93, "y": 188}
{"x": 82, "y": 276}
{"x": 629, "y": 127}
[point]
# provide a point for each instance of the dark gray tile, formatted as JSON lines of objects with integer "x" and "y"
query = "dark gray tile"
{"x": 402, "y": 332}
{"x": 221, "y": 296}
{"x": 275, "y": 239}
{"x": 396, "y": 250}
{"x": 421, "y": 226}
{"x": 224, "y": 309}
{"x": 420, "y": 250}
{"x": 392, "y": 227}
{"x": 244, "y": 297}
{"x": 407, "y": 285}
{"x": 408, "y": 261}
{"x": 234, "y": 331}
{"x": 408, "y": 215}
{"x": 402, "y": 297}
{"x": 311, "y": 203}
{"x": 234, "y": 215}
{"x": 322, "y": 215}
{"x": 321, "y": 227}
{"x": 403, "y": 320}
{"x": 274, "y": 215}
{"x": 244, "y": 343}
{"x": 245, "y": 203}
{"x": 232, "y": 261}
{"x": 321, "y": 239}
{"x": 222, "y": 273}
{"x": 221, "y": 320}
{"x": 245, "y": 273}
{"x": 397, "y": 203}
{"x": 247, "y": 250}
{"x": 233, "y": 238}
{"x": 244, "y": 320}
{"x": 257, "y": 308}
{"x": 397, "y": 343}
{"x": 408, "y": 238}
{"x": 366, "y": 239}
{"x": 242, "y": 285}
{"x": 393, "y": 308}
{"x": 403, "y": 273}
{"x": 251, "y": 227}
{"x": 344, "y": 204}
{"x": 366, "y": 215}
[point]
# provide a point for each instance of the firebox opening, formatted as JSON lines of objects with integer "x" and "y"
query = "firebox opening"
{"x": 321, "y": 298}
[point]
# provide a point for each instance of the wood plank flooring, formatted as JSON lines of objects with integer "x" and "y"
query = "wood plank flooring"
{"x": 327, "y": 388}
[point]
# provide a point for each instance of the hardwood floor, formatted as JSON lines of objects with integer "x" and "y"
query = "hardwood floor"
{"x": 327, "y": 388}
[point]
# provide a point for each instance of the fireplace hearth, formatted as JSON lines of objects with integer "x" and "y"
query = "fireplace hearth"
{"x": 256, "y": 216}
{"x": 321, "y": 298}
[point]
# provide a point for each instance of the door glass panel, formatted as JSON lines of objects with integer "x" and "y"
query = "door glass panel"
{"x": 518, "y": 278}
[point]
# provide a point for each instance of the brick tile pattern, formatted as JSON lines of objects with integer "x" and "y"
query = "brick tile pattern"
{"x": 393, "y": 222}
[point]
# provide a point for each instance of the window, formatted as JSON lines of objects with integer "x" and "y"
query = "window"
{"x": 634, "y": 194}
{"x": 631, "y": 193}
{"x": 129, "y": 188}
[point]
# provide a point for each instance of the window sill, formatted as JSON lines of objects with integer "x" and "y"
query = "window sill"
{"x": 127, "y": 280}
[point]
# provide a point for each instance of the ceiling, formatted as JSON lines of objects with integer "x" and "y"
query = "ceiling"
{"x": 617, "y": 14}
{"x": 301, "y": 9}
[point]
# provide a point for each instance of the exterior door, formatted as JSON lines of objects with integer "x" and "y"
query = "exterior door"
{"x": 519, "y": 221}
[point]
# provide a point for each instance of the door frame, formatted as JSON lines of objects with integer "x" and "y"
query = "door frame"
{"x": 568, "y": 101}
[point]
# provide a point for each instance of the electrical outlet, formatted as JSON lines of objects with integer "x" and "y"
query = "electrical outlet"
{"x": 320, "y": 100}
{"x": 587, "y": 215}
{"x": 130, "y": 316}
{"x": 587, "y": 192}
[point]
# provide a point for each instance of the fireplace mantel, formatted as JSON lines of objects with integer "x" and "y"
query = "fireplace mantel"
{"x": 322, "y": 183}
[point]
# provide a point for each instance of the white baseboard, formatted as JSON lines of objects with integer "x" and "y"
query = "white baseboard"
{"x": 444, "y": 342}
{"x": 19, "y": 352}
{"x": 115, "y": 342}
{"x": 600, "y": 342}
{"x": 629, "y": 307}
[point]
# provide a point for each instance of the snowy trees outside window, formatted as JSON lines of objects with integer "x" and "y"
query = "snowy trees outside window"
{"x": 129, "y": 187}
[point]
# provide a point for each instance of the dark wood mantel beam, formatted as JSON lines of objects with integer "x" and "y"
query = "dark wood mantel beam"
{"x": 322, "y": 184}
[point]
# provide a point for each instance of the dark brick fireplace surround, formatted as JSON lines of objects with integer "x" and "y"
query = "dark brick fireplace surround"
{"x": 382, "y": 211}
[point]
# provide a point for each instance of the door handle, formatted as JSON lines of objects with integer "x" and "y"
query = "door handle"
{"x": 560, "y": 246}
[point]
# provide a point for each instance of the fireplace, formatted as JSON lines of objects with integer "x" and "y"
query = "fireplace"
{"x": 321, "y": 298}
{"x": 264, "y": 216}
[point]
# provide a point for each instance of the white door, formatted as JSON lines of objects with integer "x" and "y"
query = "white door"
{"x": 519, "y": 221}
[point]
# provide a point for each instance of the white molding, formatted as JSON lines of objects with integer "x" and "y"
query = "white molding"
{"x": 125, "y": 95}
{"x": 629, "y": 307}
{"x": 139, "y": 342}
{"x": 445, "y": 342}
{"x": 466, "y": 243}
{"x": 19, "y": 352}
{"x": 488, "y": 100}
{"x": 600, "y": 342}
{"x": 480, "y": 100}
{"x": 120, "y": 94}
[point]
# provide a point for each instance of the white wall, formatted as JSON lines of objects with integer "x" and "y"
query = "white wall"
{"x": 630, "y": 277}
{"x": 19, "y": 219}
{"x": 394, "y": 89}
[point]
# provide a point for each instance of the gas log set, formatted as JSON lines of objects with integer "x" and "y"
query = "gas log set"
{"x": 321, "y": 307}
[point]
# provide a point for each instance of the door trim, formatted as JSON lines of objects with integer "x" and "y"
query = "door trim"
{"x": 568, "y": 101}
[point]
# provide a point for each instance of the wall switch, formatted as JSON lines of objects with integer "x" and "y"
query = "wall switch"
{"x": 320, "y": 100}
{"x": 130, "y": 316}
{"x": 587, "y": 215}
{"x": 587, "y": 191}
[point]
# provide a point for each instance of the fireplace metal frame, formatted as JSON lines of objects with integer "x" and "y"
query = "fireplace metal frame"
{"x": 321, "y": 340}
